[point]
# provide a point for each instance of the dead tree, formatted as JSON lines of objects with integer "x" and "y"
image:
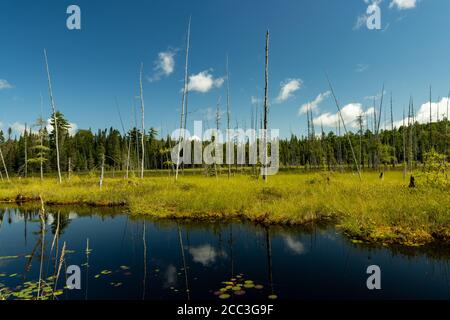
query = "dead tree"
{"x": 266, "y": 108}
{"x": 183, "y": 99}
{"x": 143, "y": 124}
{"x": 52, "y": 101}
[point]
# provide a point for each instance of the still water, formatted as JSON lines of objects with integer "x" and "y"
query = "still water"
{"x": 123, "y": 257}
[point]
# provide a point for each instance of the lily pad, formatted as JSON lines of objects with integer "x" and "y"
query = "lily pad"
{"x": 8, "y": 257}
{"x": 273, "y": 297}
{"x": 224, "y": 296}
{"x": 259, "y": 287}
{"x": 239, "y": 293}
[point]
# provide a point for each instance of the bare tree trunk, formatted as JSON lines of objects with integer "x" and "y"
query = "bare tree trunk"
{"x": 4, "y": 164}
{"x": 431, "y": 128}
{"x": 228, "y": 120}
{"x": 52, "y": 101}
{"x": 26, "y": 153}
{"x": 69, "y": 169}
{"x": 266, "y": 107}
{"x": 394, "y": 160}
{"x": 404, "y": 146}
{"x": 345, "y": 129}
{"x": 102, "y": 172}
{"x": 128, "y": 157}
{"x": 41, "y": 136}
{"x": 143, "y": 125}
{"x": 184, "y": 98}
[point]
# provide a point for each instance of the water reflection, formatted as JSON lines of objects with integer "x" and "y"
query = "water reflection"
{"x": 123, "y": 257}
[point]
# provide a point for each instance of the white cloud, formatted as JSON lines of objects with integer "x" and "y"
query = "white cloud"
{"x": 403, "y": 4}
{"x": 314, "y": 104}
{"x": 4, "y": 84}
{"x": 349, "y": 113}
{"x": 203, "y": 82}
{"x": 18, "y": 127}
{"x": 288, "y": 87}
{"x": 423, "y": 114}
{"x": 164, "y": 65}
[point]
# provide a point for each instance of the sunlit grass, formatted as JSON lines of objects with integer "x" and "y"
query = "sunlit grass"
{"x": 384, "y": 211}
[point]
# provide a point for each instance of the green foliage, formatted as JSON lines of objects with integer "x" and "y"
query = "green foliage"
{"x": 435, "y": 170}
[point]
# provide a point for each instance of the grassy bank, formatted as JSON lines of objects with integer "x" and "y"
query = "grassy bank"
{"x": 374, "y": 210}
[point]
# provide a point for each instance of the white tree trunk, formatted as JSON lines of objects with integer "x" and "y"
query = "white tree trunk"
{"x": 52, "y": 101}
{"x": 143, "y": 125}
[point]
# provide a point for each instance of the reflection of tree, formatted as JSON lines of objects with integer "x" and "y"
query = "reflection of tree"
{"x": 186, "y": 278}
{"x": 269, "y": 259}
{"x": 63, "y": 220}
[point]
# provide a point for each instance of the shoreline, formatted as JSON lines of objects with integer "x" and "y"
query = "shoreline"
{"x": 367, "y": 211}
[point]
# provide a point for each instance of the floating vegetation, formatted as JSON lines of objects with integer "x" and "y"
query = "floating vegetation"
{"x": 273, "y": 297}
{"x": 9, "y": 257}
{"x": 124, "y": 268}
{"x": 236, "y": 286}
{"x": 29, "y": 291}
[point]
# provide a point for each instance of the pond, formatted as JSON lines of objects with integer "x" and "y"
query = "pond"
{"x": 124, "y": 257}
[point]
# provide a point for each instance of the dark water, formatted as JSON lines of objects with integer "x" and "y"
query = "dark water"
{"x": 160, "y": 263}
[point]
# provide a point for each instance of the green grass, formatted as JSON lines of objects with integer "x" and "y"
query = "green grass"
{"x": 382, "y": 211}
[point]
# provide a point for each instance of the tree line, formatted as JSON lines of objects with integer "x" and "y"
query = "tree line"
{"x": 34, "y": 151}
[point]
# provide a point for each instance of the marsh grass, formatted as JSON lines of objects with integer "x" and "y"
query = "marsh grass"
{"x": 373, "y": 210}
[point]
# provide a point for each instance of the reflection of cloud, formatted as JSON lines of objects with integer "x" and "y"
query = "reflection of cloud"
{"x": 170, "y": 276}
{"x": 73, "y": 216}
{"x": 205, "y": 254}
{"x": 294, "y": 245}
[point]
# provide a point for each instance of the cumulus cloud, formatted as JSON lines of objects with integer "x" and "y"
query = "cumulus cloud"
{"x": 204, "y": 82}
{"x": 205, "y": 254}
{"x": 314, "y": 104}
{"x": 403, "y": 4}
{"x": 4, "y": 84}
{"x": 349, "y": 113}
{"x": 164, "y": 65}
{"x": 18, "y": 127}
{"x": 438, "y": 108}
{"x": 293, "y": 245}
{"x": 288, "y": 87}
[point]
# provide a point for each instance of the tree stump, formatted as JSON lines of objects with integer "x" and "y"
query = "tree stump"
{"x": 412, "y": 182}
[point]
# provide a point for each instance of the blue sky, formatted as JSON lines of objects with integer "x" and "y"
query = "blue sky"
{"x": 94, "y": 66}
